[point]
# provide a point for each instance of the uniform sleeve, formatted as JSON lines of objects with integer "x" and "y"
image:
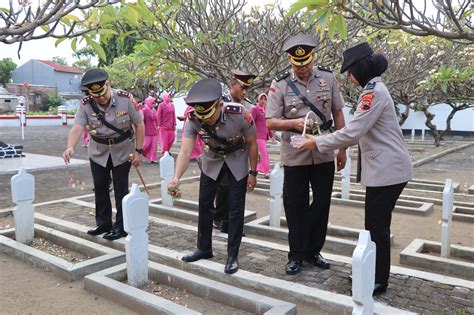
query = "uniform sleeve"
{"x": 81, "y": 116}
{"x": 337, "y": 100}
{"x": 248, "y": 125}
{"x": 365, "y": 117}
{"x": 136, "y": 115}
{"x": 275, "y": 104}
{"x": 190, "y": 129}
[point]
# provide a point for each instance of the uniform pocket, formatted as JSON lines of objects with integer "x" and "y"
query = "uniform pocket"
{"x": 372, "y": 154}
{"x": 125, "y": 119}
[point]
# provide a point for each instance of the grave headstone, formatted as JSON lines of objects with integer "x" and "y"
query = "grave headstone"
{"x": 276, "y": 192}
{"x": 423, "y": 134}
{"x": 412, "y": 134}
{"x": 346, "y": 178}
{"x": 448, "y": 200}
{"x": 23, "y": 194}
{"x": 363, "y": 275}
{"x": 135, "y": 223}
{"x": 166, "y": 174}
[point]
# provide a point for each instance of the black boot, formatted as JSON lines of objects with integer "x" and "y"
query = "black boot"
{"x": 197, "y": 255}
{"x": 232, "y": 265}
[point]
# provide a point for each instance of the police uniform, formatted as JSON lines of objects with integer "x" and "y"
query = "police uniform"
{"x": 221, "y": 217}
{"x": 385, "y": 161}
{"x": 109, "y": 150}
{"x": 225, "y": 153}
{"x": 307, "y": 223}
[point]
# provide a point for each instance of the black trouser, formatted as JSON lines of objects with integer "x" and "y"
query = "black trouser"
{"x": 379, "y": 204}
{"x": 307, "y": 223}
{"x": 222, "y": 201}
{"x": 207, "y": 193}
{"x": 103, "y": 205}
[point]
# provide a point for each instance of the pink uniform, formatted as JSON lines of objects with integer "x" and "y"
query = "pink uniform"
{"x": 150, "y": 118}
{"x": 258, "y": 114}
{"x": 85, "y": 138}
{"x": 198, "y": 144}
{"x": 166, "y": 122}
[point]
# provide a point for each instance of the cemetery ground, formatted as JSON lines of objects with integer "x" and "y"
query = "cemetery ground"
{"x": 260, "y": 254}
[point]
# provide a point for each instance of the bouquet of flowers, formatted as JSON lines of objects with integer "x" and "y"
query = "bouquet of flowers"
{"x": 174, "y": 192}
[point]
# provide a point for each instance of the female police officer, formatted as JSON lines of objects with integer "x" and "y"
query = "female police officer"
{"x": 385, "y": 163}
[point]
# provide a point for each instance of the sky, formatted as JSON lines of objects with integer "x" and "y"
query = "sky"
{"x": 45, "y": 49}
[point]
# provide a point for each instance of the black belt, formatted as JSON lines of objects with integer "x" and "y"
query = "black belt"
{"x": 111, "y": 141}
{"x": 222, "y": 152}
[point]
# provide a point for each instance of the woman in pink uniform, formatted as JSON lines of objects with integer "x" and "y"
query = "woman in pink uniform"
{"x": 166, "y": 122}
{"x": 263, "y": 134}
{"x": 198, "y": 144}
{"x": 150, "y": 119}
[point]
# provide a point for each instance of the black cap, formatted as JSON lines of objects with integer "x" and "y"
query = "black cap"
{"x": 245, "y": 79}
{"x": 354, "y": 54}
{"x": 300, "y": 48}
{"x": 204, "y": 96}
{"x": 95, "y": 81}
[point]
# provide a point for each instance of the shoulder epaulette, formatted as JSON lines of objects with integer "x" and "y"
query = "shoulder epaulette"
{"x": 233, "y": 109}
{"x": 124, "y": 93}
{"x": 86, "y": 100}
{"x": 226, "y": 98}
{"x": 282, "y": 75}
{"x": 322, "y": 68}
{"x": 370, "y": 86}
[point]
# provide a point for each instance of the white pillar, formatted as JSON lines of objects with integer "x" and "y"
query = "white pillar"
{"x": 276, "y": 192}
{"x": 135, "y": 223}
{"x": 62, "y": 112}
{"x": 166, "y": 174}
{"x": 21, "y": 113}
{"x": 423, "y": 134}
{"x": 413, "y": 134}
{"x": 363, "y": 275}
{"x": 23, "y": 194}
{"x": 448, "y": 200}
{"x": 346, "y": 178}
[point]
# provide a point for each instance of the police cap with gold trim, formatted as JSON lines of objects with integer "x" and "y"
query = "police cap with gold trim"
{"x": 204, "y": 96}
{"x": 300, "y": 49}
{"x": 244, "y": 79}
{"x": 95, "y": 80}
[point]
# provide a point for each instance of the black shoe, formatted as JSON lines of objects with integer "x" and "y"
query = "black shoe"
{"x": 115, "y": 234}
{"x": 232, "y": 265}
{"x": 379, "y": 288}
{"x": 319, "y": 261}
{"x": 217, "y": 224}
{"x": 99, "y": 230}
{"x": 293, "y": 267}
{"x": 198, "y": 254}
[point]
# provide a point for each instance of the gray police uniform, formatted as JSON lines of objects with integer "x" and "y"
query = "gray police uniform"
{"x": 219, "y": 160}
{"x": 307, "y": 227}
{"x": 108, "y": 153}
{"x": 121, "y": 113}
{"x": 385, "y": 163}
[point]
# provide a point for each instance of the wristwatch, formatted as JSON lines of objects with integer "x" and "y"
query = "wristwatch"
{"x": 253, "y": 173}
{"x": 139, "y": 151}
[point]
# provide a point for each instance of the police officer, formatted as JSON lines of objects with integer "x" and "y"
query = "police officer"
{"x": 239, "y": 86}
{"x": 109, "y": 116}
{"x": 229, "y": 135}
{"x": 292, "y": 95}
{"x": 384, "y": 162}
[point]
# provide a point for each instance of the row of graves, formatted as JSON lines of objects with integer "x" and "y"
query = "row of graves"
{"x": 431, "y": 277}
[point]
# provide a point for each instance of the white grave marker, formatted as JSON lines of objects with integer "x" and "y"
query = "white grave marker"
{"x": 413, "y": 134}
{"x": 423, "y": 134}
{"x": 166, "y": 174}
{"x": 346, "y": 178}
{"x": 23, "y": 194}
{"x": 448, "y": 200}
{"x": 363, "y": 275}
{"x": 135, "y": 223}
{"x": 276, "y": 191}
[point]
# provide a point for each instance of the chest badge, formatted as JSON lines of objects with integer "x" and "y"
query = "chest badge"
{"x": 322, "y": 83}
{"x": 293, "y": 111}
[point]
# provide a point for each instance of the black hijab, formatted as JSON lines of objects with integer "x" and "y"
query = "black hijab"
{"x": 368, "y": 68}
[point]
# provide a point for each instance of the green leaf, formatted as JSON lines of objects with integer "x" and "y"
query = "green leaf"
{"x": 73, "y": 43}
{"x": 332, "y": 28}
{"x": 444, "y": 87}
{"x": 309, "y": 4}
{"x": 341, "y": 26}
{"x": 45, "y": 28}
{"x": 59, "y": 41}
{"x": 105, "y": 31}
{"x": 97, "y": 47}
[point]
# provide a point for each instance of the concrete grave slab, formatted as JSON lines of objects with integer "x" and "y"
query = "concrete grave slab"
{"x": 190, "y": 212}
{"x": 36, "y": 162}
{"x": 109, "y": 284}
{"x": 460, "y": 263}
{"x": 463, "y": 214}
{"x": 103, "y": 257}
{"x": 470, "y": 190}
{"x": 339, "y": 239}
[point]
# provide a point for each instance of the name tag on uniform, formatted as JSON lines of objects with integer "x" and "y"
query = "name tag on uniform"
{"x": 119, "y": 114}
{"x": 291, "y": 93}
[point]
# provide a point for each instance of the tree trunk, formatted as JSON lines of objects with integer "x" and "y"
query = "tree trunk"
{"x": 434, "y": 131}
